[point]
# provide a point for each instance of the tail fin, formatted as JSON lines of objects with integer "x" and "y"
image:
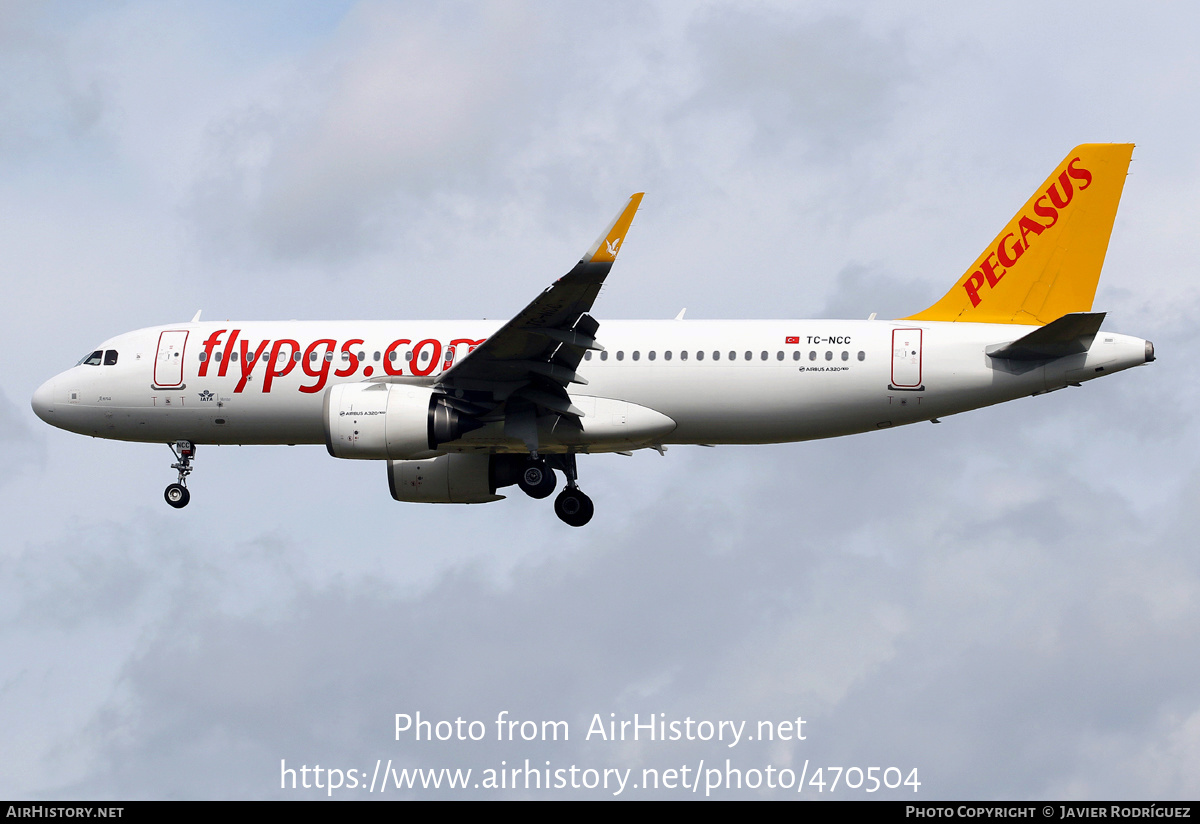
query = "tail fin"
{"x": 1047, "y": 260}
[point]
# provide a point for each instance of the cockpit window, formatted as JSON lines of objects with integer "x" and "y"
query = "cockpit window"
{"x": 110, "y": 357}
{"x": 93, "y": 359}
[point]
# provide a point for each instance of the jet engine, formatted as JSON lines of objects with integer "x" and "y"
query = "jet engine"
{"x": 394, "y": 421}
{"x": 456, "y": 478}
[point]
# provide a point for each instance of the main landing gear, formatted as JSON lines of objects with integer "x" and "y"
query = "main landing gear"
{"x": 537, "y": 480}
{"x": 177, "y": 494}
{"x": 573, "y": 508}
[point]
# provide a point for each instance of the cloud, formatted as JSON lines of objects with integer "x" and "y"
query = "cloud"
{"x": 20, "y": 447}
{"x": 828, "y": 82}
{"x": 401, "y": 104}
{"x": 860, "y": 288}
{"x": 43, "y": 100}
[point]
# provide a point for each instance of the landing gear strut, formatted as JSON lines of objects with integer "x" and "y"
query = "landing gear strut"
{"x": 571, "y": 506}
{"x": 177, "y": 494}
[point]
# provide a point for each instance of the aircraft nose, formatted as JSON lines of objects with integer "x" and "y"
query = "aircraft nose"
{"x": 43, "y": 401}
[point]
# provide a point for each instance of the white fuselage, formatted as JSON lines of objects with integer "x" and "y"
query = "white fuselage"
{"x": 717, "y": 381}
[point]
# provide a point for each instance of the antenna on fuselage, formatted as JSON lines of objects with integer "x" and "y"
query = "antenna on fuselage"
{"x": 196, "y": 317}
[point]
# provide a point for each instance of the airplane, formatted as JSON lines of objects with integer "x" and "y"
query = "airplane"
{"x": 461, "y": 409}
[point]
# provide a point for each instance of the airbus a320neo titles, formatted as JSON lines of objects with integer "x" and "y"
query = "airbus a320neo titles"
{"x": 461, "y": 409}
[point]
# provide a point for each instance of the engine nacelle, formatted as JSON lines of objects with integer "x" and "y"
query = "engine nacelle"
{"x": 395, "y": 421}
{"x": 456, "y": 478}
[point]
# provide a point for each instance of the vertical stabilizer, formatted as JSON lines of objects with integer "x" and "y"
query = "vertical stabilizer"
{"x": 1046, "y": 262}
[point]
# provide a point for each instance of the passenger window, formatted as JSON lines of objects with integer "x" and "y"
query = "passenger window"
{"x": 764, "y": 356}
{"x": 636, "y": 354}
{"x": 110, "y": 357}
{"x": 345, "y": 356}
{"x": 328, "y": 356}
{"x": 749, "y": 355}
{"x": 620, "y": 354}
{"x": 733, "y": 355}
{"x": 862, "y": 356}
{"x": 604, "y": 355}
{"x": 667, "y": 355}
{"x": 812, "y": 355}
{"x": 651, "y": 355}
{"x": 828, "y": 355}
{"x": 218, "y": 357}
{"x": 845, "y": 355}
{"x": 587, "y": 355}
{"x": 203, "y": 357}
{"x": 796, "y": 355}
{"x": 779, "y": 355}
{"x": 699, "y": 356}
{"x": 233, "y": 356}
{"x": 716, "y": 355}
{"x": 683, "y": 355}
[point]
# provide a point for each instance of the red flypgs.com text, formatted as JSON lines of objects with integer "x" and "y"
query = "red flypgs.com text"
{"x": 1010, "y": 248}
{"x": 317, "y": 359}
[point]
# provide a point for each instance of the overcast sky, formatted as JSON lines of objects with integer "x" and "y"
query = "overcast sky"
{"x": 1008, "y": 602}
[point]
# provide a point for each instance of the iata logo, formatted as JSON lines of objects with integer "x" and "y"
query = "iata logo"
{"x": 1009, "y": 249}
{"x": 207, "y": 396}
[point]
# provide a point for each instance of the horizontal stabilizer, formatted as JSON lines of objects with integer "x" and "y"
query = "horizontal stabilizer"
{"x": 1069, "y": 335}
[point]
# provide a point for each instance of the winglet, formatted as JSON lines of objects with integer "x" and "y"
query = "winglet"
{"x": 605, "y": 249}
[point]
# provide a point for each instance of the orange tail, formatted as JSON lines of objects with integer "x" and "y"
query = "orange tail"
{"x": 1046, "y": 262}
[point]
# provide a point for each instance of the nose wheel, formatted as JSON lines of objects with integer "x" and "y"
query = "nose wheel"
{"x": 177, "y": 494}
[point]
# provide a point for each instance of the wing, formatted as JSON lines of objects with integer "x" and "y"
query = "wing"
{"x": 522, "y": 371}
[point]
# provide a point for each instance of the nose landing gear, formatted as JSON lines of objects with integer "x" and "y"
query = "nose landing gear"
{"x": 177, "y": 494}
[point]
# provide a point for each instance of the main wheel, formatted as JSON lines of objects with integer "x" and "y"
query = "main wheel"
{"x": 573, "y": 508}
{"x": 177, "y": 495}
{"x": 537, "y": 480}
